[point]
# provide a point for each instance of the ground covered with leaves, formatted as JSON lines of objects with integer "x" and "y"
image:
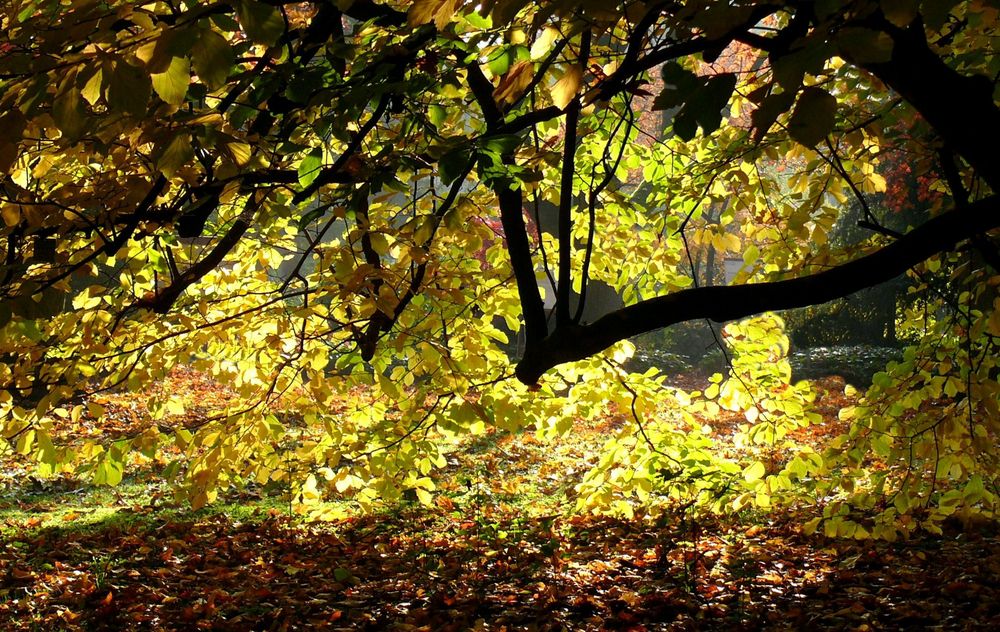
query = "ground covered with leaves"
{"x": 498, "y": 550}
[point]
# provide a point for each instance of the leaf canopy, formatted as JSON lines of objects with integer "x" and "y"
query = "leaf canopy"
{"x": 379, "y": 214}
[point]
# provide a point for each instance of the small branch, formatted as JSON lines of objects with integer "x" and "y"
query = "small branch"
{"x": 164, "y": 300}
{"x": 961, "y": 196}
{"x": 352, "y": 148}
{"x": 629, "y": 121}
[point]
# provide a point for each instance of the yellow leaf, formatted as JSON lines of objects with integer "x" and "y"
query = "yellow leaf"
{"x": 514, "y": 82}
{"x": 424, "y": 496}
{"x": 199, "y": 500}
{"x": 543, "y": 43}
{"x": 172, "y": 84}
{"x": 810, "y": 526}
{"x": 92, "y": 88}
{"x": 11, "y": 214}
{"x": 567, "y": 87}
{"x": 732, "y": 242}
{"x": 754, "y": 472}
{"x": 309, "y": 489}
{"x": 438, "y": 11}
{"x": 239, "y": 152}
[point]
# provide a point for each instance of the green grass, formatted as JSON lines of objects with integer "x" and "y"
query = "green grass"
{"x": 500, "y": 479}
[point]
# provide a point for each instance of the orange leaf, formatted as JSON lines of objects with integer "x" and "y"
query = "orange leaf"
{"x": 514, "y": 82}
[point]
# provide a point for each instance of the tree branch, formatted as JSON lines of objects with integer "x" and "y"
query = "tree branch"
{"x": 162, "y": 301}
{"x": 566, "y": 196}
{"x": 519, "y": 249}
{"x": 725, "y": 303}
{"x": 959, "y": 107}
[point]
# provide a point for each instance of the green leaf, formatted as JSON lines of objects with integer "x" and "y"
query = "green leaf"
{"x": 436, "y": 115}
{"x": 341, "y": 574}
{"x": 452, "y": 165}
{"x": 212, "y": 57}
{"x": 262, "y": 23}
{"x": 309, "y": 167}
{"x": 172, "y": 83}
{"x": 813, "y": 117}
{"x": 129, "y": 89}
{"x": 479, "y": 21}
{"x": 502, "y": 144}
{"x": 499, "y": 62}
{"x": 882, "y": 379}
{"x": 108, "y": 472}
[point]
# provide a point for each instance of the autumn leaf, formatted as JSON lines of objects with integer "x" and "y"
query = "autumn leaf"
{"x": 172, "y": 83}
{"x": 262, "y": 22}
{"x": 174, "y": 153}
{"x": 568, "y": 86}
{"x": 543, "y": 43}
{"x": 69, "y": 113}
{"x": 212, "y": 58}
{"x": 129, "y": 89}
{"x": 513, "y": 84}
{"x": 440, "y": 12}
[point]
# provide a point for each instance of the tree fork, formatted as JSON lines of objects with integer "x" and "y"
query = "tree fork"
{"x": 724, "y": 303}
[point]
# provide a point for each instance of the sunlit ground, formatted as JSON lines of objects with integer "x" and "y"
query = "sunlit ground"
{"x": 498, "y": 550}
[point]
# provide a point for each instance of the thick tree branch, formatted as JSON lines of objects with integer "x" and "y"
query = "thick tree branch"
{"x": 482, "y": 92}
{"x": 519, "y": 249}
{"x": 566, "y": 196}
{"x": 960, "y": 108}
{"x": 511, "y": 205}
{"x": 725, "y": 303}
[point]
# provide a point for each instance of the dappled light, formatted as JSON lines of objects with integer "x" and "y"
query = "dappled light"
{"x": 500, "y": 315}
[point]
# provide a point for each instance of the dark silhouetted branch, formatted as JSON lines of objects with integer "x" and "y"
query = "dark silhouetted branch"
{"x": 725, "y": 303}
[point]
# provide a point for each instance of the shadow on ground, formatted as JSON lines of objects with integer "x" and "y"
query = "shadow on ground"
{"x": 439, "y": 570}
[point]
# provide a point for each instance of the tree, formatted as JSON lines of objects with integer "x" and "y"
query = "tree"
{"x": 287, "y": 195}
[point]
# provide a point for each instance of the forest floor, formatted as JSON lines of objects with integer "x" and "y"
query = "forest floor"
{"x": 498, "y": 550}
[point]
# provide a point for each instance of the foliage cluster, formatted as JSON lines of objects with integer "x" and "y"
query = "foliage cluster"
{"x": 328, "y": 206}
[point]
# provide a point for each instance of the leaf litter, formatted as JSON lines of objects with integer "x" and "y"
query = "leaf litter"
{"x": 497, "y": 551}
